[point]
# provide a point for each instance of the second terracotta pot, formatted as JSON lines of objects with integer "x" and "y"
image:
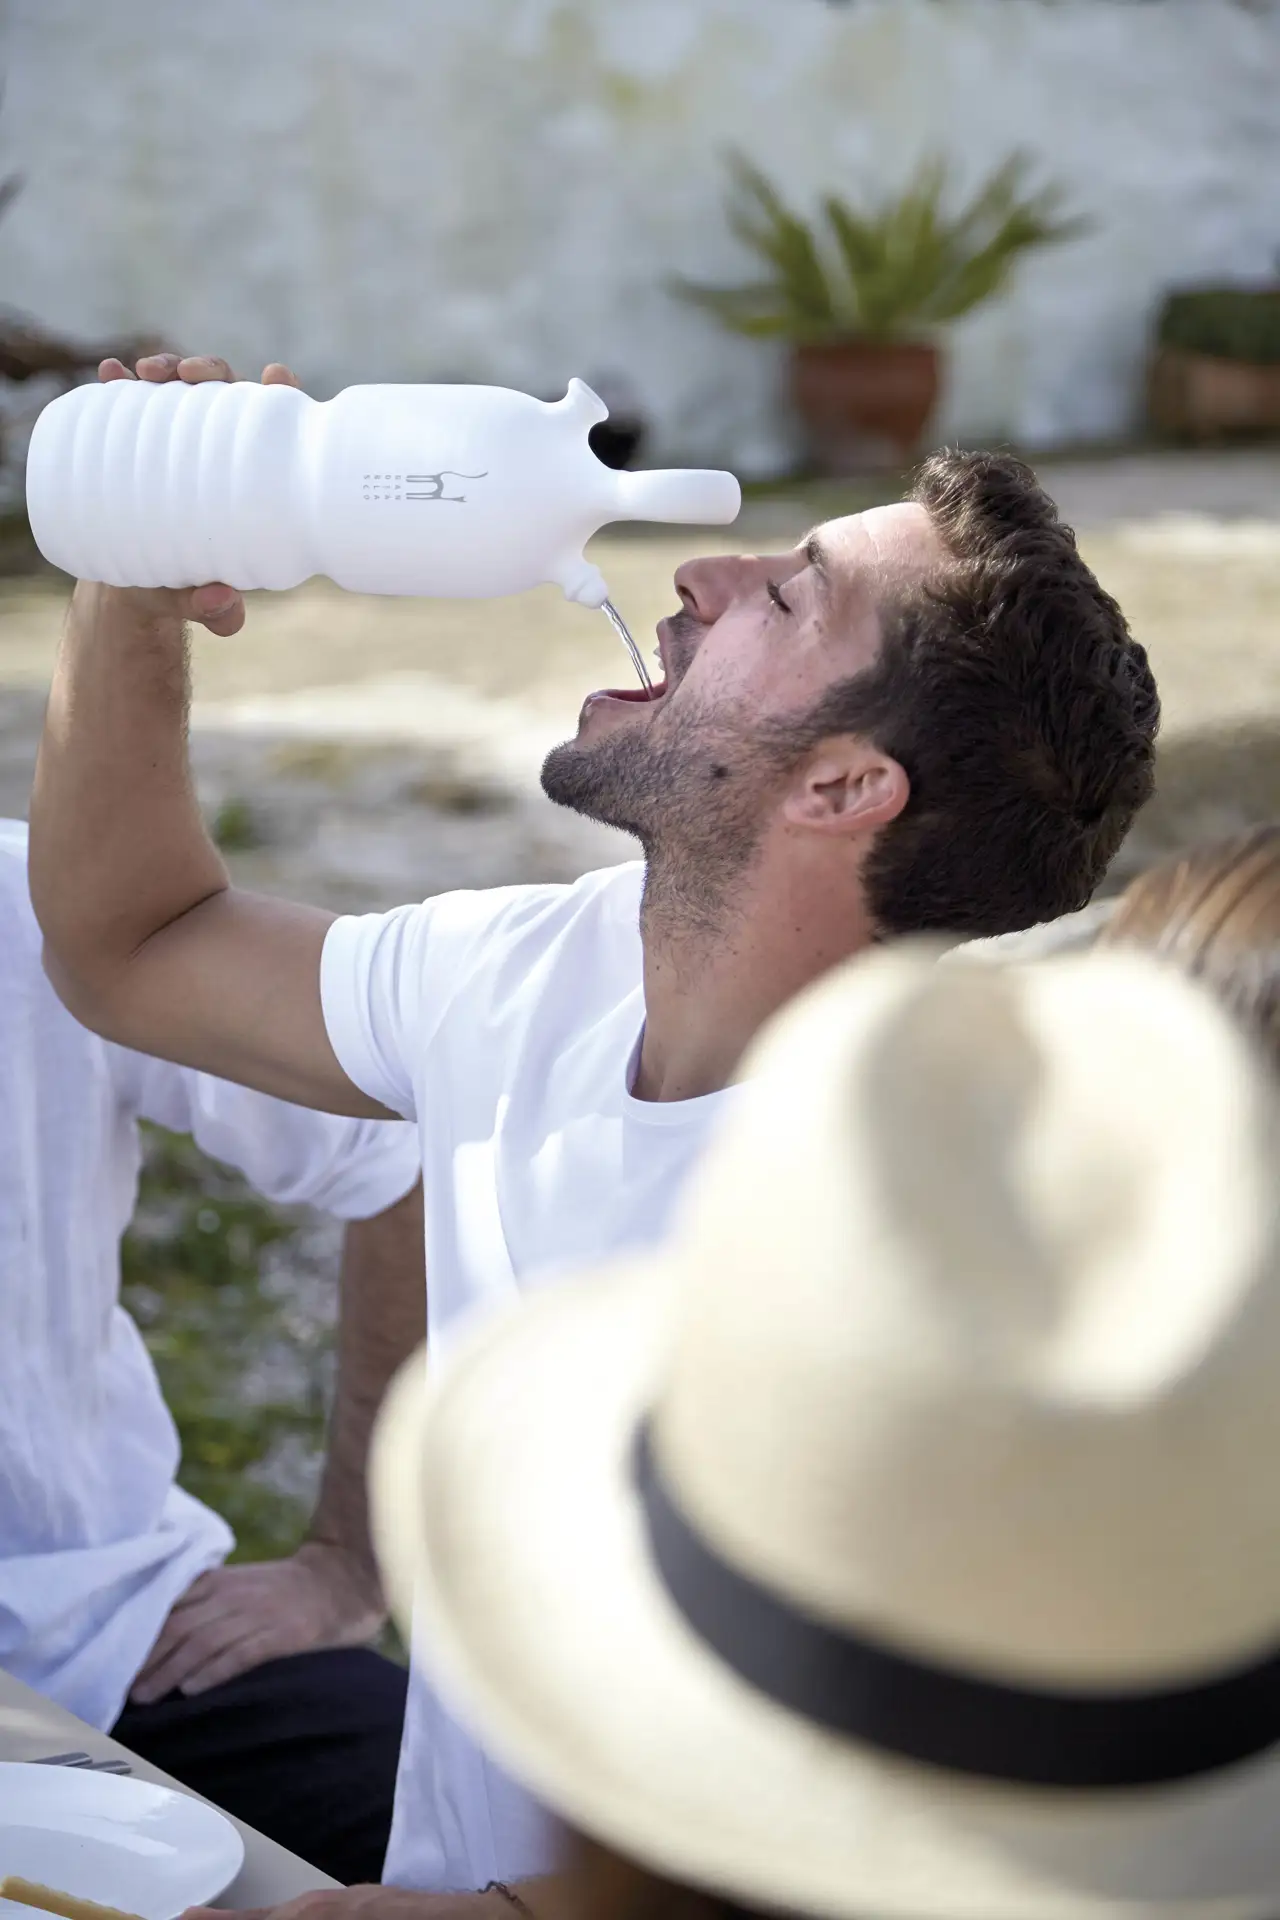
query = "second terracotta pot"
{"x": 1201, "y": 397}
{"x": 865, "y": 403}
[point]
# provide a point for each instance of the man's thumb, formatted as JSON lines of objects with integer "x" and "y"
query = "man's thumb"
{"x": 209, "y": 603}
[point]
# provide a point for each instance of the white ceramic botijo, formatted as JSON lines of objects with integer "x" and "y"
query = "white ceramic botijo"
{"x": 451, "y": 491}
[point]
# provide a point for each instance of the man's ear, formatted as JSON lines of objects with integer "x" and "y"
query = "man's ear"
{"x": 847, "y": 786}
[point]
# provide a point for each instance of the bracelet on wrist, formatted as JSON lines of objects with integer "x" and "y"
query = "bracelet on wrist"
{"x": 511, "y": 1897}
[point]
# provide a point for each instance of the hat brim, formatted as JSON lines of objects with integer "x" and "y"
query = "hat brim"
{"x": 509, "y": 1530}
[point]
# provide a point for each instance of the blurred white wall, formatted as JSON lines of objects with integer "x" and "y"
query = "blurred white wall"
{"x": 497, "y": 188}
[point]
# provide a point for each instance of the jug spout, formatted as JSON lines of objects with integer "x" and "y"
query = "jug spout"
{"x": 688, "y": 496}
{"x": 581, "y": 582}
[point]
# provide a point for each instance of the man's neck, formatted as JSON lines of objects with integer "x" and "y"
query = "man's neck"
{"x": 709, "y": 988}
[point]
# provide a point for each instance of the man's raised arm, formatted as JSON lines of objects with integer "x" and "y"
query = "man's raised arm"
{"x": 145, "y": 938}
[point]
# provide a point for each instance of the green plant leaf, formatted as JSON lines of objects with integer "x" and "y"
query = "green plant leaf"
{"x": 860, "y": 241}
{"x": 797, "y": 296}
{"x": 987, "y": 238}
{"x": 756, "y": 311}
{"x": 860, "y": 245}
{"x": 884, "y": 273}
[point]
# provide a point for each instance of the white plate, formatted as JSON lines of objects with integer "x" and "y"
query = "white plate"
{"x": 122, "y": 1842}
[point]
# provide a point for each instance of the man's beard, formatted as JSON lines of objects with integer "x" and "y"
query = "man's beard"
{"x": 691, "y": 785}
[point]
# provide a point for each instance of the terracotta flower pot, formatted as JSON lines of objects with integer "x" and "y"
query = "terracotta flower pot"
{"x": 864, "y": 403}
{"x": 1199, "y": 396}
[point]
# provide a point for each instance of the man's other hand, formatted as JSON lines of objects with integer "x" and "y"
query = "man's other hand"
{"x": 387, "y": 1903}
{"x": 220, "y": 608}
{"x": 236, "y": 1618}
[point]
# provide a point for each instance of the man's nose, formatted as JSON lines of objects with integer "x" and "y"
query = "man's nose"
{"x": 709, "y": 586}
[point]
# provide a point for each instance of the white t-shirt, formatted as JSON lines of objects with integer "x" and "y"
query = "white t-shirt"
{"x": 96, "y": 1540}
{"x": 507, "y": 1024}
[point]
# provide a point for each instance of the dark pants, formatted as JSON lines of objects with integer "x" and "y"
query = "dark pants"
{"x": 304, "y": 1749}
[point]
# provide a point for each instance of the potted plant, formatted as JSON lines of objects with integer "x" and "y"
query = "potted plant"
{"x": 860, "y": 296}
{"x": 1215, "y": 370}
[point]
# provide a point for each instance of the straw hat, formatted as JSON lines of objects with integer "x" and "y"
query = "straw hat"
{"x": 904, "y": 1539}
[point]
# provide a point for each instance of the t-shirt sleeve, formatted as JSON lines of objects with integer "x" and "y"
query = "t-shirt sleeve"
{"x": 351, "y": 1169}
{"x": 372, "y": 980}
{"x": 388, "y": 980}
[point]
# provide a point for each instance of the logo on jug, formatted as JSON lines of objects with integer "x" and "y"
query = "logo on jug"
{"x": 417, "y": 486}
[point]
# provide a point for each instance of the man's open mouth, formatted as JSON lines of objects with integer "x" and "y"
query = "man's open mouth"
{"x": 641, "y": 696}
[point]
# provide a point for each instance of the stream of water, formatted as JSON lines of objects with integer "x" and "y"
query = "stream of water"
{"x": 623, "y": 632}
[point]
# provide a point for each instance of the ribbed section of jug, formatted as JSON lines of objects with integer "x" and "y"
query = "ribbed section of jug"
{"x": 143, "y": 485}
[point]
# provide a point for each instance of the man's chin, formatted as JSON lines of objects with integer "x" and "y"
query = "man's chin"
{"x": 566, "y": 776}
{"x": 585, "y": 779}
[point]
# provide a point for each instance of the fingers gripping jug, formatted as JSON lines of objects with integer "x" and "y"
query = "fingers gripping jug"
{"x": 450, "y": 491}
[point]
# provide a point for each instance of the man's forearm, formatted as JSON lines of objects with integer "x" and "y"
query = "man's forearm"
{"x": 383, "y": 1320}
{"x": 554, "y": 1897}
{"x": 118, "y": 846}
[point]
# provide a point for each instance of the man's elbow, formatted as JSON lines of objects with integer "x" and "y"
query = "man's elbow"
{"x": 82, "y": 935}
{"x": 95, "y": 996}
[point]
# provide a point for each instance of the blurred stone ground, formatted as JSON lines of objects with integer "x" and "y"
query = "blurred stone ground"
{"x": 360, "y": 752}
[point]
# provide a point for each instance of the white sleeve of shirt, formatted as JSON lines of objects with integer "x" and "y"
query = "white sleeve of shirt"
{"x": 388, "y": 980}
{"x": 351, "y": 1169}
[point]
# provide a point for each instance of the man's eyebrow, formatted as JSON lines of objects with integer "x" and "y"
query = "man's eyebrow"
{"x": 819, "y": 559}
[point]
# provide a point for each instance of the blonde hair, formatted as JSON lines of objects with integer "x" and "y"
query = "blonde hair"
{"x": 1215, "y": 912}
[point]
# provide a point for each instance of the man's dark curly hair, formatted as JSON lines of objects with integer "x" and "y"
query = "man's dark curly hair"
{"x": 1024, "y": 713}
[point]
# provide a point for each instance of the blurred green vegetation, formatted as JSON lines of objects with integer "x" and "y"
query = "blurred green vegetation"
{"x": 235, "y": 828}
{"x": 1228, "y": 323}
{"x": 193, "y": 1267}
